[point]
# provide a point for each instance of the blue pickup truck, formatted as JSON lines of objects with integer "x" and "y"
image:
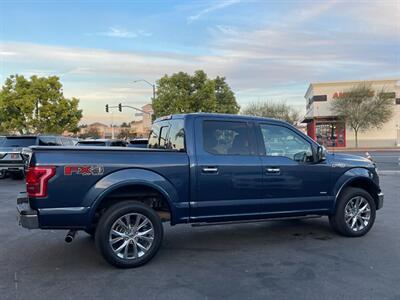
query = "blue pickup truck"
{"x": 199, "y": 169}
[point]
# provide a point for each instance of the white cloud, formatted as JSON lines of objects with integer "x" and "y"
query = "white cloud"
{"x": 118, "y": 32}
{"x": 271, "y": 62}
{"x": 211, "y": 8}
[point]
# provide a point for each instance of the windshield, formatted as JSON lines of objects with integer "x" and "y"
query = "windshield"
{"x": 19, "y": 142}
{"x": 102, "y": 144}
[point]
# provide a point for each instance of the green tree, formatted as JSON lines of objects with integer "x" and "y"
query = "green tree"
{"x": 363, "y": 108}
{"x": 37, "y": 105}
{"x": 268, "y": 109}
{"x": 183, "y": 93}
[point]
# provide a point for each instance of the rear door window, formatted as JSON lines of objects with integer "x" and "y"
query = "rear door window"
{"x": 226, "y": 138}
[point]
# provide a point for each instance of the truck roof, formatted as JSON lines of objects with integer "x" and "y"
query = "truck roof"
{"x": 218, "y": 115}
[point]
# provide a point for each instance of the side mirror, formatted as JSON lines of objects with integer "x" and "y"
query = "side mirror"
{"x": 321, "y": 153}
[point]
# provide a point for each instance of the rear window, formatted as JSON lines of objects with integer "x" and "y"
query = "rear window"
{"x": 101, "y": 144}
{"x": 19, "y": 142}
{"x": 168, "y": 135}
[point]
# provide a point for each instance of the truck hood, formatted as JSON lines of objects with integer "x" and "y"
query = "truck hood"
{"x": 350, "y": 160}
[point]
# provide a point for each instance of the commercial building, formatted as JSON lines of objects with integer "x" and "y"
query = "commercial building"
{"x": 141, "y": 128}
{"x": 326, "y": 128}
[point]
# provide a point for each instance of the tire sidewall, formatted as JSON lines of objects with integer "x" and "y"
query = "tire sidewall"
{"x": 108, "y": 219}
{"x": 339, "y": 219}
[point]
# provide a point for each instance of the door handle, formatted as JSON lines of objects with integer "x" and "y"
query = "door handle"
{"x": 210, "y": 170}
{"x": 273, "y": 170}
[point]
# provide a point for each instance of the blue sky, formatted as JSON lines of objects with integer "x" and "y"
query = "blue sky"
{"x": 268, "y": 50}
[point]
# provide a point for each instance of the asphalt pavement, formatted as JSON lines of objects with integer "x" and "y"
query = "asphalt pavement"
{"x": 300, "y": 259}
{"x": 385, "y": 160}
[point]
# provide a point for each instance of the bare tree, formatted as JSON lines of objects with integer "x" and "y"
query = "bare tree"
{"x": 268, "y": 109}
{"x": 363, "y": 108}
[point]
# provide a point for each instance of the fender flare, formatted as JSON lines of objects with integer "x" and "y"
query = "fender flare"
{"x": 347, "y": 178}
{"x": 129, "y": 177}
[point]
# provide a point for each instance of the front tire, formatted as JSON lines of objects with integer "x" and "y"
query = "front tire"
{"x": 129, "y": 234}
{"x": 355, "y": 213}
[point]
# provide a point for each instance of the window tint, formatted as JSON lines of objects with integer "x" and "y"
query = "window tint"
{"x": 281, "y": 141}
{"x": 226, "y": 138}
{"x": 48, "y": 141}
{"x": 176, "y": 136}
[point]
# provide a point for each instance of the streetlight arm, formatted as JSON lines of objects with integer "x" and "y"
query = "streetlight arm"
{"x": 144, "y": 80}
{"x": 149, "y": 83}
{"x": 141, "y": 110}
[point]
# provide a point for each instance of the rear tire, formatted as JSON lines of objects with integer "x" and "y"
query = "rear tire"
{"x": 355, "y": 213}
{"x": 129, "y": 234}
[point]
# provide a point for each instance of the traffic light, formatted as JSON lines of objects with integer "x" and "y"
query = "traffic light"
{"x": 107, "y": 108}
{"x": 120, "y": 107}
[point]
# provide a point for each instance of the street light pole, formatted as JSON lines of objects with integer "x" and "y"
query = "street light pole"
{"x": 149, "y": 83}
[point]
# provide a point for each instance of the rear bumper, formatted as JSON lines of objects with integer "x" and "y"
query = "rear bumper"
{"x": 12, "y": 167}
{"x": 27, "y": 217}
{"x": 380, "y": 200}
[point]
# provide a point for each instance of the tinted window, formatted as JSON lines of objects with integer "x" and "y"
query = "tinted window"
{"x": 19, "y": 142}
{"x": 281, "y": 141}
{"x": 227, "y": 138}
{"x": 48, "y": 141}
{"x": 176, "y": 136}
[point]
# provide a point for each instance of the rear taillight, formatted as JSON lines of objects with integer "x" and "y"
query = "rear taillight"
{"x": 37, "y": 179}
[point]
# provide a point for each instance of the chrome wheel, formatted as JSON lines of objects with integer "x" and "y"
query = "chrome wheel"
{"x": 131, "y": 236}
{"x": 357, "y": 213}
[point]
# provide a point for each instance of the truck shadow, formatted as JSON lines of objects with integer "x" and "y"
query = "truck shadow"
{"x": 184, "y": 241}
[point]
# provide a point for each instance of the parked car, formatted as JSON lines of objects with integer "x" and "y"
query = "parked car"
{"x": 138, "y": 143}
{"x": 102, "y": 143}
{"x": 11, "y": 160}
{"x": 198, "y": 169}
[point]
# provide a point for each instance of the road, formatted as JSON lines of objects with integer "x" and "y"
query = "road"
{"x": 385, "y": 160}
{"x": 300, "y": 259}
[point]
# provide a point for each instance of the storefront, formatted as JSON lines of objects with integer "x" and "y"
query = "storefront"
{"x": 329, "y": 130}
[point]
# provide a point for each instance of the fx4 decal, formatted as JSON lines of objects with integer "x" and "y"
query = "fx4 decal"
{"x": 83, "y": 170}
